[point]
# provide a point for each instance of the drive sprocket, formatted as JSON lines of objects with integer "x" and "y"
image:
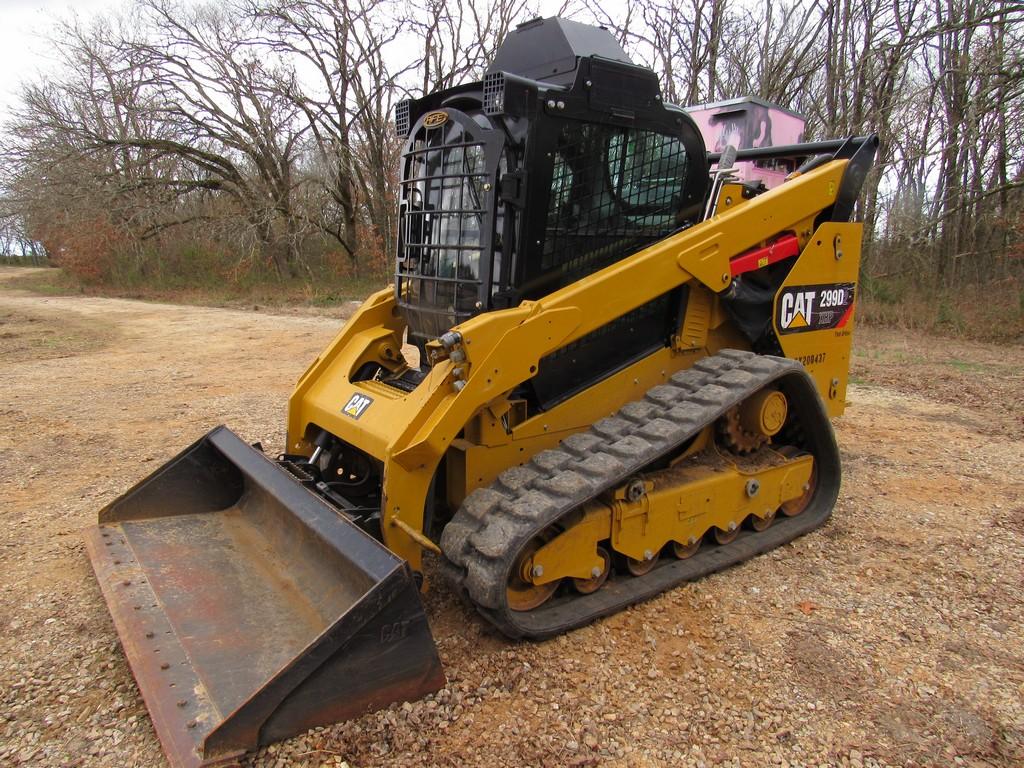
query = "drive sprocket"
{"x": 735, "y": 437}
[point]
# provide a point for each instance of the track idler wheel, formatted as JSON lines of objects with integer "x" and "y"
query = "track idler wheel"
{"x": 587, "y": 586}
{"x": 727, "y": 536}
{"x": 762, "y": 523}
{"x": 794, "y": 507}
{"x": 685, "y": 551}
{"x": 642, "y": 567}
{"x": 522, "y": 593}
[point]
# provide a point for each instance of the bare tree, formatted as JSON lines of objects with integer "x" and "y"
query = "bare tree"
{"x": 345, "y": 99}
{"x": 266, "y": 124}
{"x": 68, "y": 167}
{"x": 459, "y": 39}
{"x": 222, "y": 97}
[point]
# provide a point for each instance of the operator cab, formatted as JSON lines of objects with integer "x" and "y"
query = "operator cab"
{"x": 562, "y": 161}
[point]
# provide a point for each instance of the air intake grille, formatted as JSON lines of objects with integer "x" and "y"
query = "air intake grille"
{"x": 494, "y": 93}
{"x": 402, "y": 118}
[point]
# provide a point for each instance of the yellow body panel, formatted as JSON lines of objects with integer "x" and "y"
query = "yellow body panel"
{"x": 690, "y": 501}
{"x": 832, "y": 257}
{"x": 681, "y": 505}
{"x": 412, "y": 432}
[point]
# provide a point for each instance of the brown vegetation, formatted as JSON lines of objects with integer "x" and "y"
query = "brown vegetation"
{"x": 227, "y": 144}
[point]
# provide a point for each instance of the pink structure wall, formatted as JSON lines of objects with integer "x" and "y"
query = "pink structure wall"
{"x": 746, "y": 124}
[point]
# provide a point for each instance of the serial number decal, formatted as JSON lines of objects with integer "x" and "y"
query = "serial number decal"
{"x": 357, "y": 405}
{"x": 802, "y": 308}
{"x": 811, "y": 359}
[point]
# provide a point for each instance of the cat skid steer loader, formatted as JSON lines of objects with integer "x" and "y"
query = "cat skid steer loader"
{"x": 605, "y": 367}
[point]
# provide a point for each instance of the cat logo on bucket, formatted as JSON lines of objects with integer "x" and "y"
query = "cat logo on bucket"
{"x": 814, "y": 307}
{"x": 435, "y": 119}
{"x": 357, "y": 405}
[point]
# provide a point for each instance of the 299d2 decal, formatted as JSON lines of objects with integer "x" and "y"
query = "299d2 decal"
{"x": 802, "y": 308}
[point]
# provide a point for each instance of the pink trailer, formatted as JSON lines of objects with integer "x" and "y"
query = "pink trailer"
{"x": 748, "y": 123}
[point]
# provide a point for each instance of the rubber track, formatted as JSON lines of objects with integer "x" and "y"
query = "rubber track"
{"x": 494, "y": 523}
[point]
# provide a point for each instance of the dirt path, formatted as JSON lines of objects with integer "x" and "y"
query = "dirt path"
{"x": 891, "y": 637}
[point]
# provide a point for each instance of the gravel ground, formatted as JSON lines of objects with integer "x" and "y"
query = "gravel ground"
{"x": 893, "y": 636}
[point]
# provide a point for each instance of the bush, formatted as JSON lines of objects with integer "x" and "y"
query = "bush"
{"x": 991, "y": 312}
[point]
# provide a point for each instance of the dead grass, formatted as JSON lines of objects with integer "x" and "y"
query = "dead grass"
{"x": 36, "y": 336}
{"x": 890, "y": 637}
{"x": 992, "y": 312}
{"x": 982, "y": 375}
{"x": 252, "y": 294}
{"x": 47, "y": 281}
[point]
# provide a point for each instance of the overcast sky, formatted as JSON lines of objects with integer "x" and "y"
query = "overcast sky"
{"x": 25, "y": 24}
{"x": 23, "y": 27}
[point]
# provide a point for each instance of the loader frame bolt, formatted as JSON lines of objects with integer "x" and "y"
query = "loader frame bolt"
{"x": 537, "y": 571}
{"x": 753, "y": 486}
{"x": 450, "y": 339}
{"x": 635, "y": 490}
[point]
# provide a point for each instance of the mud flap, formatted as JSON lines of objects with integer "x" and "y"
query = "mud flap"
{"x": 249, "y": 609}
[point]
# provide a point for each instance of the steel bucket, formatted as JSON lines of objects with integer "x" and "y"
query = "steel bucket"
{"x": 249, "y": 609}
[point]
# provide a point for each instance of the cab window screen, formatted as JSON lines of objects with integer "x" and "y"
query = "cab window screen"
{"x": 440, "y": 236}
{"x": 613, "y": 191}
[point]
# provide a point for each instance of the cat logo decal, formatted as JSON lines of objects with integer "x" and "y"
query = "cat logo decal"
{"x": 357, "y": 405}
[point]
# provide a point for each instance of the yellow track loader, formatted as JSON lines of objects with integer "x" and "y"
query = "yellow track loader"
{"x": 605, "y": 367}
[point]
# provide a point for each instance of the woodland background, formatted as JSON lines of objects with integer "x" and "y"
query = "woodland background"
{"x": 245, "y": 148}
